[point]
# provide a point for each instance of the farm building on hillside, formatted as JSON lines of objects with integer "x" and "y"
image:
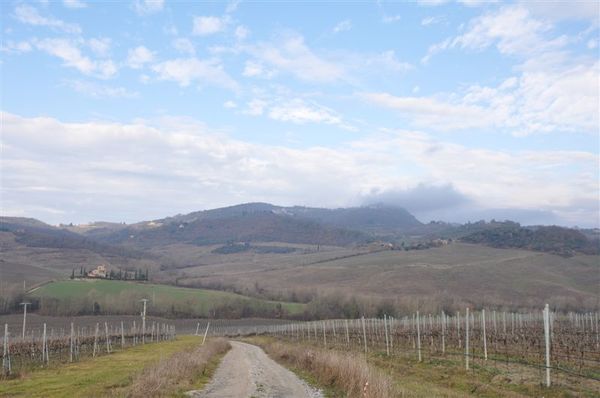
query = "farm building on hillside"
{"x": 99, "y": 272}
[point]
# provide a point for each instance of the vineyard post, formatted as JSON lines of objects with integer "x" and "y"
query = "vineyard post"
{"x": 24, "y": 304}
{"x": 95, "y": 338}
{"x": 122, "y": 336}
{"x": 547, "y": 338}
{"x": 107, "y": 338}
{"x": 197, "y": 327}
{"x": 364, "y": 333}
{"x": 144, "y": 321}
{"x": 485, "y": 356}
{"x": 5, "y": 352}
{"x": 324, "y": 337}
{"x": 348, "y": 333}
{"x": 418, "y": 337}
{"x": 431, "y": 330}
{"x": 205, "y": 333}
{"x": 504, "y": 322}
{"x": 597, "y": 335}
{"x": 458, "y": 328}
{"x": 71, "y": 344}
{"x": 387, "y": 342}
{"x": 391, "y": 321}
{"x": 134, "y": 334}
{"x": 467, "y": 340}
{"x": 512, "y": 326}
{"x": 443, "y": 332}
{"x": 45, "y": 345}
{"x": 333, "y": 325}
{"x": 413, "y": 324}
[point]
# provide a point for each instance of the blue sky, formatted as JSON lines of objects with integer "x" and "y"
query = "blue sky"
{"x": 124, "y": 111}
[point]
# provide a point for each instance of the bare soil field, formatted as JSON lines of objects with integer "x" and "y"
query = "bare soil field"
{"x": 454, "y": 273}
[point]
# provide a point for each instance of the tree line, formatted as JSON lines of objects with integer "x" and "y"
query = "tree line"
{"x": 127, "y": 275}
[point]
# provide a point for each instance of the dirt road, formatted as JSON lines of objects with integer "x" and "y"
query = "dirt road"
{"x": 246, "y": 371}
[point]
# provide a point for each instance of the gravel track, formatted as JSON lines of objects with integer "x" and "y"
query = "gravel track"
{"x": 246, "y": 371}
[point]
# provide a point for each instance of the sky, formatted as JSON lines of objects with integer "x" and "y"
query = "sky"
{"x": 455, "y": 110}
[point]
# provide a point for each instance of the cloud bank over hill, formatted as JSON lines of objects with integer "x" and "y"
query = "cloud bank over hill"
{"x": 100, "y": 170}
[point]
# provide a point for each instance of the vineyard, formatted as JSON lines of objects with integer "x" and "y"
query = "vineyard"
{"x": 41, "y": 347}
{"x": 559, "y": 349}
{"x": 555, "y": 349}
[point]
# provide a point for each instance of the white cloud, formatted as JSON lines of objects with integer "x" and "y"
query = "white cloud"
{"x": 139, "y": 56}
{"x": 432, "y": 3}
{"x": 564, "y": 10}
{"x": 208, "y": 25}
{"x": 100, "y": 47}
{"x": 96, "y": 90}
{"x": 427, "y": 21}
{"x": 30, "y": 15}
{"x": 241, "y": 32}
{"x": 144, "y": 7}
{"x": 185, "y": 71}
{"x": 256, "y": 107}
{"x": 106, "y": 68}
{"x": 70, "y": 53}
{"x": 299, "y": 112}
{"x": 434, "y": 113}
{"x": 232, "y": 6}
{"x": 477, "y": 3}
{"x": 386, "y": 61}
{"x": 184, "y": 46}
{"x": 256, "y": 69}
{"x": 95, "y": 159}
{"x": 539, "y": 101}
{"x": 592, "y": 44}
{"x": 295, "y": 110}
{"x": 555, "y": 91}
{"x": 16, "y": 46}
{"x": 391, "y": 18}
{"x": 511, "y": 29}
{"x": 435, "y": 49}
{"x": 229, "y": 105}
{"x": 292, "y": 55}
{"x": 74, "y": 4}
{"x": 342, "y": 26}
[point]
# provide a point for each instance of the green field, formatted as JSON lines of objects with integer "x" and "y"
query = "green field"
{"x": 108, "y": 375}
{"x": 123, "y": 297}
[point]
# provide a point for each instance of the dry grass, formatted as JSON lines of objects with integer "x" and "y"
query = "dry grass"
{"x": 348, "y": 372}
{"x": 176, "y": 372}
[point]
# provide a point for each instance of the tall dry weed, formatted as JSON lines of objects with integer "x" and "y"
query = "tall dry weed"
{"x": 181, "y": 369}
{"x": 349, "y": 372}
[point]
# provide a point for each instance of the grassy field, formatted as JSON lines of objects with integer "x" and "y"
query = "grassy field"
{"x": 119, "y": 293}
{"x": 109, "y": 375}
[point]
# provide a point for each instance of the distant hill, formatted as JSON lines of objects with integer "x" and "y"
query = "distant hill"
{"x": 32, "y": 251}
{"x": 251, "y": 222}
{"x": 33, "y": 233}
{"x": 236, "y": 226}
{"x": 375, "y": 218}
{"x": 550, "y": 239}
